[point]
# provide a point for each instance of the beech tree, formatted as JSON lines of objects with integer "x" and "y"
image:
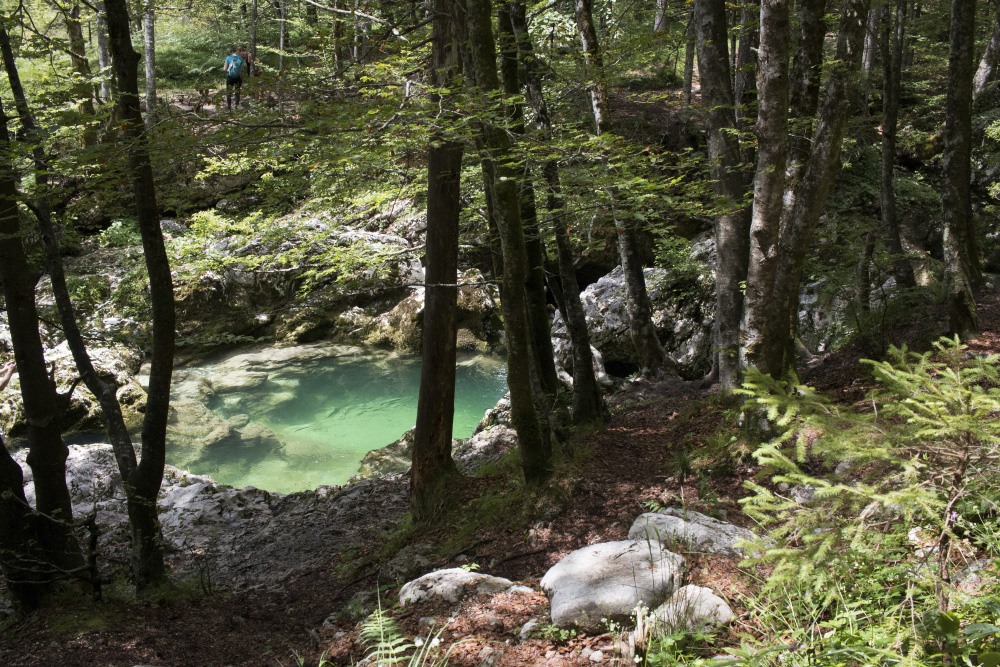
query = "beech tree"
{"x": 432, "y": 464}
{"x": 956, "y": 171}
{"x": 732, "y": 225}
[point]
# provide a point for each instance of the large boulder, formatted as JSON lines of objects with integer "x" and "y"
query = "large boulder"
{"x": 451, "y": 585}
{"x": 683, "y": 313}
{"x": 694, "y": 609}
{"x": 478, "y": 316}
{"x": 689, "y": 531}
{"x": 605, "y": 582}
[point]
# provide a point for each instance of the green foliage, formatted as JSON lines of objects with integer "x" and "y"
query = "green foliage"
{"x": 848, "y": 576}
{"x": 387, "y": 646}
{"x": 121, "y": 234}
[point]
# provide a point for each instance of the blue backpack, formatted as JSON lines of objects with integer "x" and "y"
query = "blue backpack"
{"x": 235, "y": 64}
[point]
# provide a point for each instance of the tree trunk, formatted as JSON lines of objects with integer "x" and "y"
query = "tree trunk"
{"x": 536, "y": 451}
{"x": 103, "y": 55}
{"x": 281, "y": 56}
{"x": 148, "y": 475}
{"x": 432, "y": 462}
{"x": 595, "y": 63}
{"x": 892, "y": 59}
{"x": 956, "y": 171}
{"x": 78, "y": 58}
{"x": 22, "y": 563}
{"x": 42, "y": 404}
{"x": 588, "y": 404}
{"x": 732, "y": 228}
{"x": 806, "y": 71}
{"x": 652, "y": 358}
{"x": 689, "y": 51}
{"x": 817, "y": 181}
{"x": 987, "y": 71}
{"x": 253, "y": 39}
{"x": 868, "y": 62}
{"x": 769, "y": 181}
{"x": 745, "y": 88}
{"x": 660, "y": 22}
{"x": 538, "y": 313}
{"x": 149, "y": 52}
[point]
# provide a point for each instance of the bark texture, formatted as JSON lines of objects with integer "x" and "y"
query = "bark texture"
{"x": 769, "y": 180}
{"x": 147, "y": 560}
{"x": 986, "y": 73}
{"x": 432, "y": 462}
{"x": 103, "y": 54}
{"x": 149, "y": 53}
{"x": 732, "y": 227}
{"x": 956, "y": 171}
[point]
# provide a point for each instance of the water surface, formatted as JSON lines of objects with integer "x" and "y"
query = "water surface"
{"x": 289, "y": 419}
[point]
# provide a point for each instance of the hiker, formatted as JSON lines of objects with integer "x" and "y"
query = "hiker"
{"x": 234, "y": 77}
{"x": 242, "y": 52}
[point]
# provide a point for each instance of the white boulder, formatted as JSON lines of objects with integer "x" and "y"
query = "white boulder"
{"x": 691, "y": 531}
{"x": 452, "y": 585}
{"x": 607, "y": 581}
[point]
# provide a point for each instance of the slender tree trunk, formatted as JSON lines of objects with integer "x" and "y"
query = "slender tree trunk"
{"x": 732, "y": 228}
{"x": 538, "y": 313}
{"x": 281, "y": 56}
{"x": 769, "y": 180}
{"x": 956, "y": 171}
{"x": 817, "y": 181}
{"x": 745, "y": 88}
{"x": 432, "y": 462}
{"x": 103, "y": 55}
{"x": 689, "y": 51}
{"x": 660, "y": 22}
{"x": 868, "y": 62}
{"x": 987, "y": 71}
{"x": 640, "y": 311}
{"x": 588, "y": 404}
{"x": 536, "y": 451}
{"x": 805, "y": 82}
{"x": 595, "y": 62}
{"x": 892, "y": 58}
{"x": 82, "y": 91}
{"x": 253, "y": 39}
{"x": 149, "y": 51}
{"x": 148, "y": 475}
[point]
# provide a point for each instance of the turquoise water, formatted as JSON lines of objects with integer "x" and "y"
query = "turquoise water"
{"x": 321, "y": 416}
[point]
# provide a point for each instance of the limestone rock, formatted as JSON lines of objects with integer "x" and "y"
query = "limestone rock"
{"x": 451, "y": 585}
{"x": 411, "y": 561}
{"x": 691, "y": 531}
{"x": 606, "y": 581}
{"x": 683, "y": 313}
{"x": 692, "y": 608}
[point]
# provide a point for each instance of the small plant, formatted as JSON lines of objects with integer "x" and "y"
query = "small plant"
{"x": 121, "y": 234}
{"x": 554, "y": 634}
{"x": 470, "y": 567}
{"x": 387, "y": 646}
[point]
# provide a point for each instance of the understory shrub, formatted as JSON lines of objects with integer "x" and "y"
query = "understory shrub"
{"x": 872, "y": 512}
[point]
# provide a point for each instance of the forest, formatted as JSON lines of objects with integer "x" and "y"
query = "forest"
{"x": 491, "y": 332}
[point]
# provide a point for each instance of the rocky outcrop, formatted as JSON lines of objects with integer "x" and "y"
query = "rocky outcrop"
{"x": 233, "y": 538}
{"x": 690, "y": 531}
{"x": 683, "y": 312}
{"x": 607, "y": 581}
{"x": 450, "y": 585}
{"x": 478, "y": 316}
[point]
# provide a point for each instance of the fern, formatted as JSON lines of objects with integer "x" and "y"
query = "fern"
{"x": 387, "y": 646}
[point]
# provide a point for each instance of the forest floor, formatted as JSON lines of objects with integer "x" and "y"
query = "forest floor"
{"x": 668, "y": 444}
